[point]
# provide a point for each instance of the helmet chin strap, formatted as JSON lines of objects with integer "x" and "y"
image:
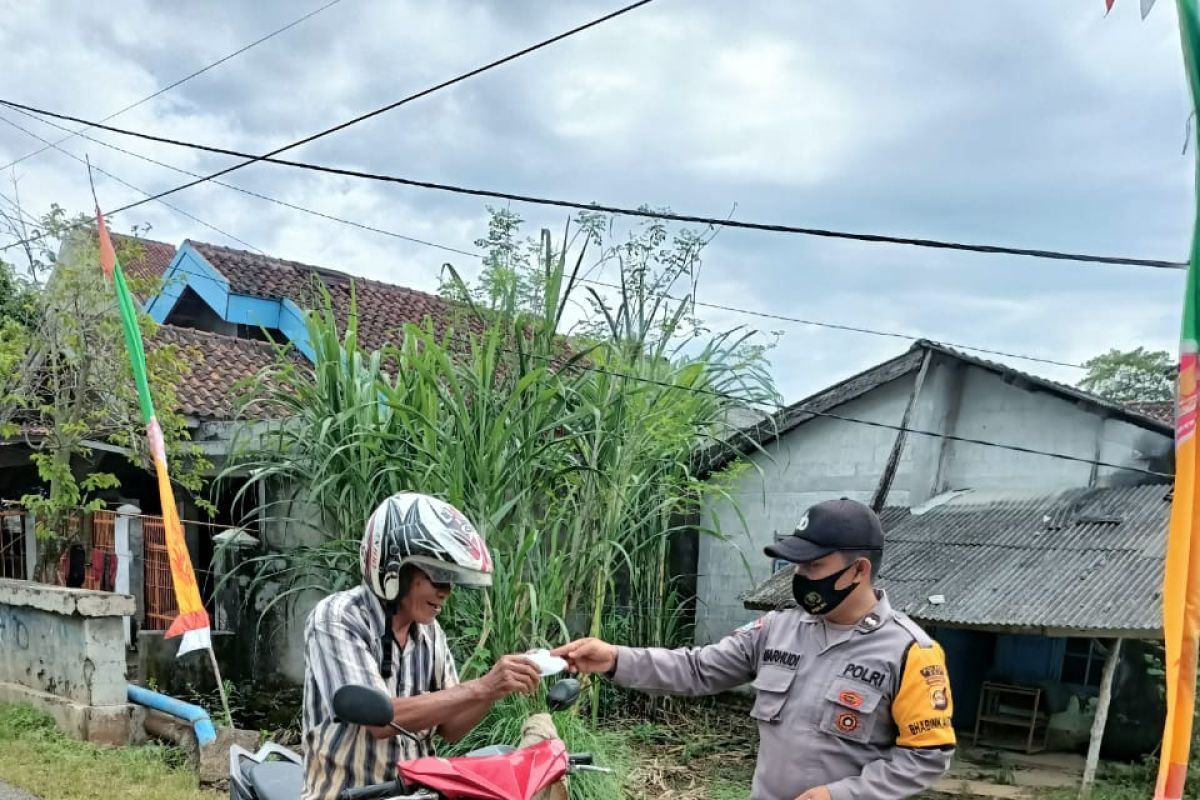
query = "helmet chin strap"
{"x": 388, "y": 638}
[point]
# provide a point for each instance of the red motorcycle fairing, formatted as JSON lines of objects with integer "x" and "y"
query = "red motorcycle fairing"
{"x": 518, "y": 775}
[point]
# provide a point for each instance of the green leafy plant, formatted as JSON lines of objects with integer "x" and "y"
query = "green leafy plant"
{"x": 575, "y": 456}
{"x": 66, "y": 383}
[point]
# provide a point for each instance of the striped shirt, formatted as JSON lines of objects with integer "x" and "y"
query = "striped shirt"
{"x": 342, "y": 645}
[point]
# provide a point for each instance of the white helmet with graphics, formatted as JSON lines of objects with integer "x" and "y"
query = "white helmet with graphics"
{"x": 432, "y": 535}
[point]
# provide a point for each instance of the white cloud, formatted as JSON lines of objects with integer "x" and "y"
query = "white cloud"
{"x": 1026, "y": 123}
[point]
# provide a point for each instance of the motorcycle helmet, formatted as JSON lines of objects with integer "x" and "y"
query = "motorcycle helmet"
{"x": 432, "y": 535}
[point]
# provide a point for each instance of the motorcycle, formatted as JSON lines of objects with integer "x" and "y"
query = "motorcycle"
{"x": 498, "y": 772}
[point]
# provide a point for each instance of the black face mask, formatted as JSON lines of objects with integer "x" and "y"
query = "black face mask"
{"x": 819, "y": 597}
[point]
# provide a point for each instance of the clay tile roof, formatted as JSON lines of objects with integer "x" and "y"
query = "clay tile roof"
{"x": 383, "y": 308}
{"x": 208, "y": 392}
{"x": 152, "y": 259}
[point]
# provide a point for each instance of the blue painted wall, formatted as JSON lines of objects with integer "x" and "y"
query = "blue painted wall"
{"x": 973, "y": 657}
{"x": 191, "y": 269}
{"x": 1029, "y": 659}
{"x": 969, "y": 659}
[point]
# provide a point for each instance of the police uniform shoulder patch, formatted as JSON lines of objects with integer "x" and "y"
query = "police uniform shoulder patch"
{"x": 923, "y": 708}
{"x": 751, "y": 626}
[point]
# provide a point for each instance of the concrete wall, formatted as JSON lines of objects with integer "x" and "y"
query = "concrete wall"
{"x": 827, "y": 458}
{"x": 823, "y": 458}
{"x": 273, "y": 649}
{"x": 284, "y": 657}
{"x": 995, "y": 410}
{"x": 63, "y": 650}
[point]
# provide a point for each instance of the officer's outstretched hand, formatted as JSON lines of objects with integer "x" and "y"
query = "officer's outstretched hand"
{"x": 588, "y": 655}
{"x": 819, "y": 793}
{"x": 511, "y": 674}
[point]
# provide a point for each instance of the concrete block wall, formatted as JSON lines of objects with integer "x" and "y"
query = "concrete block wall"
{"x": 826, "y": 458}
{"x": 63, "y": 651}
{"x": 823, "y": 459}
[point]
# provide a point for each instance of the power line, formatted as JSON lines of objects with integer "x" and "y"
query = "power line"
{"x": 875, "y": 238}
{"x": 245, "y": 191}
{"x": 854, "y": 329}
{"x": 776, "y": 408}
{"x": 476, "y": 254}
{"x": 797, "y": 408}
{"x": 127, "y": 184}
{"x": 251, "y": 158}
{"x": 182, "y": 80}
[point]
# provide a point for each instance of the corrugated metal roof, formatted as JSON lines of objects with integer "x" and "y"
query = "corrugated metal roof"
{"x": 1087, "y": 560}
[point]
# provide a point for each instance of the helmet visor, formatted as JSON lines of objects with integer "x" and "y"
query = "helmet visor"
{"x": 441, "y": 572}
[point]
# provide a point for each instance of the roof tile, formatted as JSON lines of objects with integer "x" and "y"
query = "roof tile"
{"x": 222, "y": 362}
{"x": 152, "y": 258}
{"x": 1161, "y": 411}
{"x": 383, "y": 308}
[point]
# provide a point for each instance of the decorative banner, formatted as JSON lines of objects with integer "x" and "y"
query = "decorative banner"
{"x": 1181, "y": 584}
{"x": 192, "y": 622}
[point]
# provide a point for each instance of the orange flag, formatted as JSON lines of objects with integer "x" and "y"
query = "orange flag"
{"x": 192, "y": 622}
{"x": 1181, "y": 584}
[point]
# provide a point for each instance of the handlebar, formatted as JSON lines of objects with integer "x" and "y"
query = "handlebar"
{"x": 578, "y": 759}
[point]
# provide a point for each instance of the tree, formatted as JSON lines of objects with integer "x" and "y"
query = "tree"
{"x": 66, "y": 381}
{"x": 1127, "y": 376}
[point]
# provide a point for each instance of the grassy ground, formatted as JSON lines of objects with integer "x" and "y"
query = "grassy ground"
{"x": 698, "y": 750}
{"x": 35, "y": 756}
{"x": 701, "y": 750}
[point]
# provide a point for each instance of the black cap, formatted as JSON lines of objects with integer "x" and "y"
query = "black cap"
{"x": 829, "y": 527}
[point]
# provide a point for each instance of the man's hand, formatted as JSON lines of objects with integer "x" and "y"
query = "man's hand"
{"x": 588, "y": 655}
{"x": 511, "y": 674}
{"x": 819, "y": 793}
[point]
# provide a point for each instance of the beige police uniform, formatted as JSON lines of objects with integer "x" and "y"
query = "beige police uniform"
{"x": 866, "y": 714}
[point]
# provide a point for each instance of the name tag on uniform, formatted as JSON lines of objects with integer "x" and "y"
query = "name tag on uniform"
{"x": 780, "y": 658}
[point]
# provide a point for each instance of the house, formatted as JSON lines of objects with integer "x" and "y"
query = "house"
{"x": 973, "y": 424}
{"x": 1025, "y": 525}
{"x": 216, "y": 303}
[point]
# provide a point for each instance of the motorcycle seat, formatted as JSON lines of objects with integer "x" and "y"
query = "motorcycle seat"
{"x": 492, "y": 750}
{"x": 276, "y": 780}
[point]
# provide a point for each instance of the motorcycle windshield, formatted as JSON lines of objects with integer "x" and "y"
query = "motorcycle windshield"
{"x": 518, "y": 775}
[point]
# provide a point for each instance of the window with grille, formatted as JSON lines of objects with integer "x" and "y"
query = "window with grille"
{"x": 1083, "y": 662}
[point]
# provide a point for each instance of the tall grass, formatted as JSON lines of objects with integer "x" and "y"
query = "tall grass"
{"x": 574, "y": 457}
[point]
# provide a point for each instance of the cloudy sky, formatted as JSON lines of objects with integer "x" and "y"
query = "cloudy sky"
{"x": 1022, "y": 123}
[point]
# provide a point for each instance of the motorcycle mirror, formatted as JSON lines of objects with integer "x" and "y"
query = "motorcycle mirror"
{"x": 563, "y": 694}
{"x": 362, "y": 705}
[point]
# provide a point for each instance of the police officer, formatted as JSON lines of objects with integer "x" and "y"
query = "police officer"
{"x": 852, "y": 698}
